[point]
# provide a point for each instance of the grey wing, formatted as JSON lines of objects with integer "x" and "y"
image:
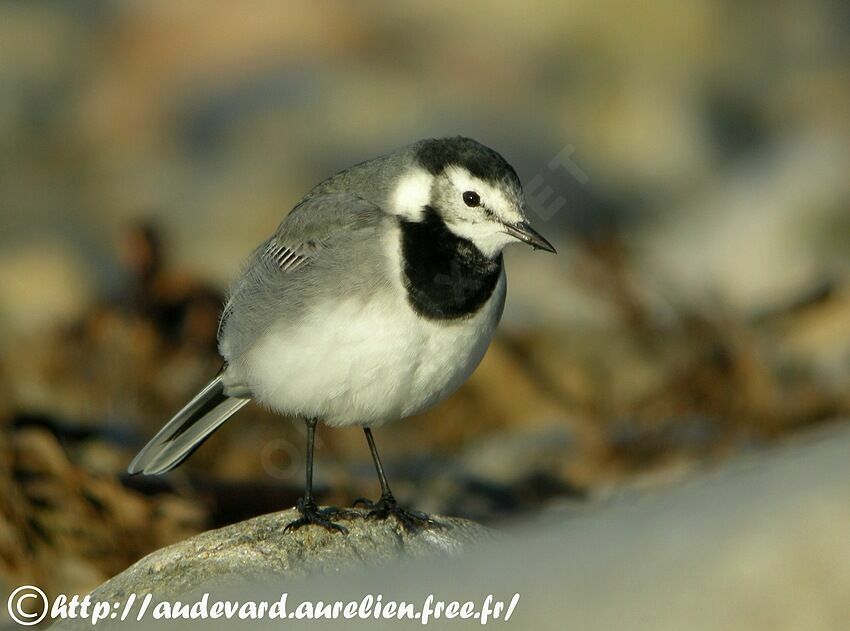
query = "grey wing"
{"x": 271, "y": 258}
{"x": 324, "y": 234}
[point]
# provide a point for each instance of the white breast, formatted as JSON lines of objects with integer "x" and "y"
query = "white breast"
{"x": 368, "y": 359}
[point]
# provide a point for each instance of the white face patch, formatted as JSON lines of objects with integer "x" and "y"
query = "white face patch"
{"x": 411, "y": 195}
{"x": 492, "y": 197}
{"x": 487, "y": 234}
{"x": 489, "y": 237}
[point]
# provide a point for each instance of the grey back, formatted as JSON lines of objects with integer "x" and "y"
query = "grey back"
{"x": 331, "y": 244}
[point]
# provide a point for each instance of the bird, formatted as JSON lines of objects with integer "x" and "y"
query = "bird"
{"x": 374, "y": 299}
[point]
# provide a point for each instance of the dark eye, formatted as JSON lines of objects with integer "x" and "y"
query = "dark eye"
{"x": 470, "y": 198}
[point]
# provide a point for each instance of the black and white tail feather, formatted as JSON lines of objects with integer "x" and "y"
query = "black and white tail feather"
{"x": 211, "y": 407}
{"x": 189, "y": 428}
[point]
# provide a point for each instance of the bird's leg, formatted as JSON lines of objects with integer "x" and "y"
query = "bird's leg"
{"x": 387, "y": 505}
{"x": 310, "y": 512}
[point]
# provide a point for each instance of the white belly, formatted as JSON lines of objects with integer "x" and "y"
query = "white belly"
{"x": 356, "y": 362}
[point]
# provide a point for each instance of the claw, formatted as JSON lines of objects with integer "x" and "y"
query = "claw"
{"x": 312, "y": 514}
{"x": 410, "y": 520}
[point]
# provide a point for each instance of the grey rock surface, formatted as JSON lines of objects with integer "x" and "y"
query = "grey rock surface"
{"x": 259, "y": 547}
{"x": 759, "y": 543}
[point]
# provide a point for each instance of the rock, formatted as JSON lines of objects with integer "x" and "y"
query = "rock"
{"x": 759, "y": 543}
{"x": 259, "y": 547}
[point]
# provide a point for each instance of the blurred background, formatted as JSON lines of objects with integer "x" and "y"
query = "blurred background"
{"x": 690, "y": 160}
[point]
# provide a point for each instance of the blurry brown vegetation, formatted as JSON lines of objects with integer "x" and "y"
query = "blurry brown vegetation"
{"x": 700, "y": 305}
{"x": 637, "y": 401}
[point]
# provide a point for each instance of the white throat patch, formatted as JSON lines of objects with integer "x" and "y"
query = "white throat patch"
{"x": 487, "y": 234}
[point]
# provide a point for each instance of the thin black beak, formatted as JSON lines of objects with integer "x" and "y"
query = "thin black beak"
{"x": 525, "y": 233}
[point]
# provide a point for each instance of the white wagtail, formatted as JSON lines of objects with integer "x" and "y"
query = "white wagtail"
{"x": 375, "y": 299}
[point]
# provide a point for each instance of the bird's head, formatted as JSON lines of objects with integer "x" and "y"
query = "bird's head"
{"x": 472, "y": 188}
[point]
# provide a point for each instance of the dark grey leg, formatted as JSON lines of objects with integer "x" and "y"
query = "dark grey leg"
{"x": 310, "y": 513}
{"x": 379, "y": 467}
{"x": 387, "y": 505}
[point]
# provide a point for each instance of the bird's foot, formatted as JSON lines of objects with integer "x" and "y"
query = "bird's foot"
{"x": 312, "y": 514}
{"x": 387, "y": 506}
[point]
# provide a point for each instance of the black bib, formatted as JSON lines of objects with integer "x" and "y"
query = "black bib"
{"x": 446, "y": 276}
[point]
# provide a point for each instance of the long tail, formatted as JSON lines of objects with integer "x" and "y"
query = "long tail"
{"x": 189, "y": 428}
